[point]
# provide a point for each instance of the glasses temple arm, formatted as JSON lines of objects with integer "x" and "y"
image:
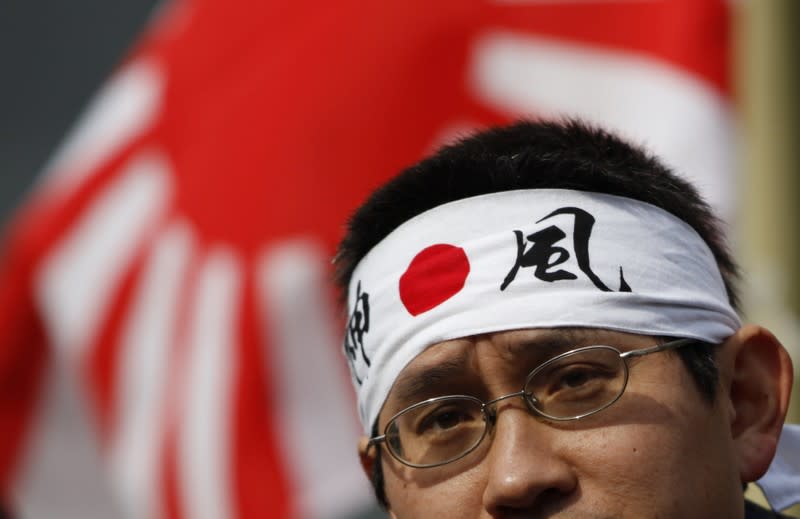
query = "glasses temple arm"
{"x": 672, "y": 345}
{"x": 373, "y": 442}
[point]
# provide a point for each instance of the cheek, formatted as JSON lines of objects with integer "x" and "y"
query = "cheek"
{"x": 624, "y": 456}
{"x": 634, "y": 458}
{"x": 435, "y": 493}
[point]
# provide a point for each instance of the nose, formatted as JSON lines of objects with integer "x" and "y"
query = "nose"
{"x": 526, "y": 469}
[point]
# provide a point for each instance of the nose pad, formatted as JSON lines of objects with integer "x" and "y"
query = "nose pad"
{"x": 530, "y": 402}
{"x": 490, "y": 410}
{"x": 490, "y": 416}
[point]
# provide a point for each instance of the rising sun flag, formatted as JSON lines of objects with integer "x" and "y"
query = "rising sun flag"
{"x": 169, "y": 341}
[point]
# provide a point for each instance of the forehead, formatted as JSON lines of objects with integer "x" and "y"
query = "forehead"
{"x": 454, "y": 365}
{"x": 516, "y": 345}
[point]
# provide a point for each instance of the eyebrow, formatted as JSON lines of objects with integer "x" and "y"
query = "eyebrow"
{"x": 541, "y": 350}
{"x": 425, "y": 382}
{"x": 428, "y": 382}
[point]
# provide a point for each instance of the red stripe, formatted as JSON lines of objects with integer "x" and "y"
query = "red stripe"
{"x": 23, "y": 358}
{"x": 172, "y": 496}
{"x": 172, "y": 503}
{"x": 260, "y": 483}
{"x": 102, "y": 363}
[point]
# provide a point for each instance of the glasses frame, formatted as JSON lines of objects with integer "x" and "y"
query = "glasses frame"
{"x": 530, "y": 401}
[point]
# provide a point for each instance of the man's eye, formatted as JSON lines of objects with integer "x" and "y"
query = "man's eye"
{"x": 578, "y": 378}
{"x": 575, "y": 379}
{"x": 444, "y": 419}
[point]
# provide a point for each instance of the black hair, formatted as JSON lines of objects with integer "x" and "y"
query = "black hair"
{"x": 567, "y": 154}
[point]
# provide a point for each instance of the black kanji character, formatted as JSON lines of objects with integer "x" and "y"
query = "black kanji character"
{"x": 544, "y": 254}
{"x": 357, "y": 326}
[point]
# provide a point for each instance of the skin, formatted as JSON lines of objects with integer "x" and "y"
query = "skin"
{"x": 661, "y": 451}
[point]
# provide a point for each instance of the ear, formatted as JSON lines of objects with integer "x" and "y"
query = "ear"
{"x": 760, "y": 385}
{"x": 366, "y": 454}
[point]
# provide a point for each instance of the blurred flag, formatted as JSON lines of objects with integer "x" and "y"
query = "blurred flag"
{"x": 169, "y": 345}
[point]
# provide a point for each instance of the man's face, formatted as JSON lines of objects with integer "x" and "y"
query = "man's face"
{"x": 660, "y": 451}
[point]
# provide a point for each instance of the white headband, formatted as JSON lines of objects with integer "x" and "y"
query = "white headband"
{"x": 538, "y": 258}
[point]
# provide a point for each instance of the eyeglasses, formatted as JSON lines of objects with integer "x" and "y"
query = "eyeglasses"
{"x": 570, "y": 386}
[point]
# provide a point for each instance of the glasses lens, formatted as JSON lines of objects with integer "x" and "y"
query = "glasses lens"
{"x": 579, "y": 383}
{"x": 436, "y": 431}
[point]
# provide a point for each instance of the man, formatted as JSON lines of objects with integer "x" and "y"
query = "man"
{"x": 542, "y": 323}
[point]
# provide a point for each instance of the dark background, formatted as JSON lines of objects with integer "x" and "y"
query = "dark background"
{"x": 54, "y": 54}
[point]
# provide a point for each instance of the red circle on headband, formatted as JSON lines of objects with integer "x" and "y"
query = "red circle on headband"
{"x": 436, "y": 274}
